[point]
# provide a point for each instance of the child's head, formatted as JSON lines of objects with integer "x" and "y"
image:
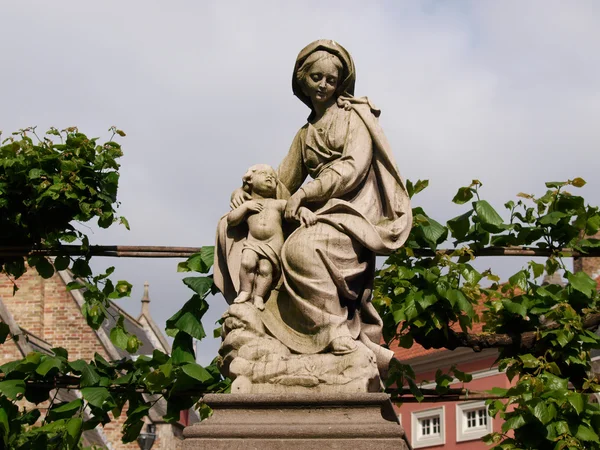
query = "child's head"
{"x": 261, "y": 179}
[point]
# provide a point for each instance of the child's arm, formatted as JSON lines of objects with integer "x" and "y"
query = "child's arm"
{"x": 280, "y": 205}
{"x": 238, "y": 215}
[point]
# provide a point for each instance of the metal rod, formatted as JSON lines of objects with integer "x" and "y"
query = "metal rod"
{"x": 147, "y": 251}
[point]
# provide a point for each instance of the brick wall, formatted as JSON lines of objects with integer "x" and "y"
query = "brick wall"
{"x": 45, "y": 309}
{"x": 28, "y": 303}
{"x": 591, "y": 266}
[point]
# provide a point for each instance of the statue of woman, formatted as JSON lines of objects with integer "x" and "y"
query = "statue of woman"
{"x": 323, "y": 301}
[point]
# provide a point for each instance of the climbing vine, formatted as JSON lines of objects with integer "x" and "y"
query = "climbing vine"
{"x": 544, "y": 332}
{"x": 48, "y": 186}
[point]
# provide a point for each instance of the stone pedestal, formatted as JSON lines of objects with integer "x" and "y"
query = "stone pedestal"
{"x": 297, "y": 422}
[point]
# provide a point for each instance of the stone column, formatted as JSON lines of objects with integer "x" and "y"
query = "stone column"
{"x": 297, "y": 422}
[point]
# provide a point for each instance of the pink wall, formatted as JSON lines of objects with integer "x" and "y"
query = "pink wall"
{"x": 480, "y": 384}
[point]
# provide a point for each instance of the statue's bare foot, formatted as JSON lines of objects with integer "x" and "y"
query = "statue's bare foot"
{"x": 259, "y": 303}
{"x": 242, "y": 298}
{"x": 343, "y": 345}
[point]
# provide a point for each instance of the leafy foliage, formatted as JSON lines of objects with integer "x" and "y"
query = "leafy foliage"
{"x": 428, "y": 296}
{"x": 47, "y": 184}
{"x": 106, "y": 386}
{"x": 44, "y": 187}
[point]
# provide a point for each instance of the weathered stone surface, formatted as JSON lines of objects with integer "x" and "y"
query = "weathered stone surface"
{"x": 296, "y": 259}
{"x": 258, "y": 363}
{"x": 307, "y": 422}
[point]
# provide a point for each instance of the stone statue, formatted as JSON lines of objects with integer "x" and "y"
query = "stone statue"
{"x": 261, "y": 264}
{"x": 318, "y": 330}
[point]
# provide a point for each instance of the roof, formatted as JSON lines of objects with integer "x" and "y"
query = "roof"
{"x": 132, "y": 325}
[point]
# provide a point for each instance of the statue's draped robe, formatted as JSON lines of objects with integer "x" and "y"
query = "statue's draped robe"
{"x": 363, "y": 210}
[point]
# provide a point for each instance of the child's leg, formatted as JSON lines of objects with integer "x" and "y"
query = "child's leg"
{"x": 262, "y": 283}
{"x": 248, "y": 268}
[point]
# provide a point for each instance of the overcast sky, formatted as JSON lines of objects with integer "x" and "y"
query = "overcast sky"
{"x": 504, "y": 91}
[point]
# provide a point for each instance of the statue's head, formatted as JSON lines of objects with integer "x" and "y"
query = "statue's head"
{"x": 323, "y": 58}
{"x": 261, "y": 179}
{"x": 319, "y": 76}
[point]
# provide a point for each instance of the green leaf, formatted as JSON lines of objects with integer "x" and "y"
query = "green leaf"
{"x": 488, "y": 217}
{"x": 470, "y": 275}
{"x": 119, "y": 337}
{"x": 196, "y": 372}
{"x": 81, "y": 268}
{"x": 529, "y": 361}
{"x": 74, "y": 430}
{"x": 544, "y": 412}
{"x": 12, "y": 388}
{"x": 415, "y": 391}
{"x": 552, "y": 218}
{"x": 203, "y": 260}
{"x": 122, "y": 289}
{"x": 538, "y": 269}
{"x": 457, "y": 298}
{"x": 585, "y": 433}
{"x": 582, "y": 282}
{"x": 183, "y": 349}
{"x": 35, "y": 174}
{"x": 123, "y": 221}
{"x": 406, "y": 340}
{"x": 519, "y": 280}
{"x": 461, "y": 376}
{"x": 463, "y": 195}
{"x": 434, "y": 233}
{"x": 65, "y": 410}
{"x": 515, "y": 308}
{"x": 553, "y": 382}
{"x": 48, "y": 364}
{"x": 459, "y": 226}
{"x": 416, "y": 188}
{"x": 576, "y": 401}
{"x": 513, "y": 423}
{"x": 189, "y": 318}
{"x": 200, "y": 285}
{"x": 89, "y": 376}
{"x": 74, "y": 285}
{"x": 61, "y": 262}
{"x": 578, "y": 182}
{"x": 4, "y": 332}
{"x": 96, "y": 396}
{"x": 555, "y": 184}
{"x": 44, "y": 268}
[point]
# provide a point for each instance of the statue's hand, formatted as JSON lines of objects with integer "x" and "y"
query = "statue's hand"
{"x": 238, "y": 197}
{"x": 293, "y": 204}
{"x": 254, "y": 206}
{"x": 307, "y": 217}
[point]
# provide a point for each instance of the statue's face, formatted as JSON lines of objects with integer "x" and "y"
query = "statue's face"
{"x": 264, "y": 182}
{"x": 321, "y": 81}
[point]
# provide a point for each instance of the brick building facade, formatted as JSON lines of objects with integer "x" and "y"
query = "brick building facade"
{"x": 46, "y": 315}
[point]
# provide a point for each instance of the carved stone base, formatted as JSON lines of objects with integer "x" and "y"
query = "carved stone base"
{"x": 258, "y": 363}
{"x": 297, "y": 422}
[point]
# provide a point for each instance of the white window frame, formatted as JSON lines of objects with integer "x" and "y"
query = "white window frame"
{"x": 465, "y": 434}
{"x": 419, "y": 441}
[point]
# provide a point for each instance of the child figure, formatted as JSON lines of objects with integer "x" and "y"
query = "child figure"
{"x": 260, "y": 264}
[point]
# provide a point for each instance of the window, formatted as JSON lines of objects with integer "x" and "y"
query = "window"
{"x": 472, "y": 421}
{"x": 427, "y": 428}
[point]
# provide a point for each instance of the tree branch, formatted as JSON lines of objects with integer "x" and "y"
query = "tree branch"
{"x": 480, "y": 341}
